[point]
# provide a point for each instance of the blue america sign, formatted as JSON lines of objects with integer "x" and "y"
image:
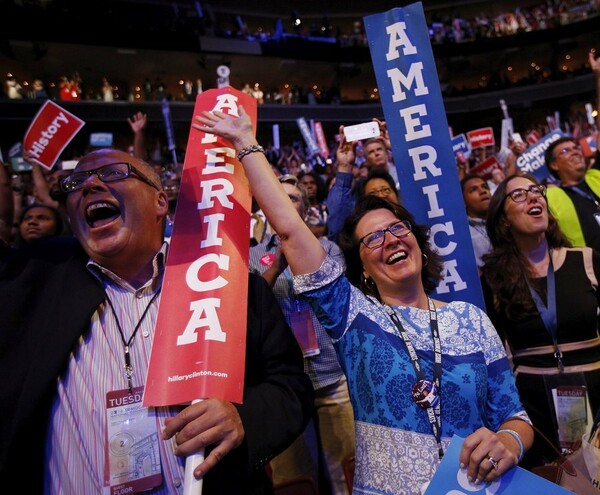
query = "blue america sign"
{"x": 416, "y": 119}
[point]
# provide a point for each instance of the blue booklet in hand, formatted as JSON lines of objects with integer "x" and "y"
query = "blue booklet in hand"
{"x": 449, "y": 479}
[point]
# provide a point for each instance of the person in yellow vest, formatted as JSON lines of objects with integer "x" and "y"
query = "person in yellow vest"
{"x": 575, "y": 202}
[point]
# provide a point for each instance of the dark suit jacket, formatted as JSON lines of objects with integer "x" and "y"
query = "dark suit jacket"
{"x": 48, "y": 297}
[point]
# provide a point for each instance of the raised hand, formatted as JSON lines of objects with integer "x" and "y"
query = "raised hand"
{"x": 237, "y": 130}
{"x": 385, "y": 135}
{"x": 345, "y": 154}
{"x": 138, "y": 122}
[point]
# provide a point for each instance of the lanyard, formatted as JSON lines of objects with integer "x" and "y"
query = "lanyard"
{"x": 128, "y": 367}
{"x": 584, "y": 194}
{"x": 548, "y": 313}
{"x": 427, "y": 394}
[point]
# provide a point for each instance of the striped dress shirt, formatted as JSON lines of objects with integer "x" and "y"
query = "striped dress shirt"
{"x": 76, "y": 452}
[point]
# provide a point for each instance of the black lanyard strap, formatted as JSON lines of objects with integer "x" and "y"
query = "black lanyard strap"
{"x": 127, "y": 343}
{"x": 427, "y": 394}
{"x": 548, "y": 312}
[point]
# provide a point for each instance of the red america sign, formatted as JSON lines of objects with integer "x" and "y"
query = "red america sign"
{"x": 200, "y": 338}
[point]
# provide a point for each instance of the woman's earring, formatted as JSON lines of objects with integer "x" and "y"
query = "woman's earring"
{"x": 368, "y": 281}
{"x": 425, "y": 259}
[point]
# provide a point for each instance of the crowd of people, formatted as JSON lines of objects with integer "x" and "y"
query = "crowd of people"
{"x": 349, "y": 356}
{"x": 70, "y": 89}
{"x": 444, "y": 29}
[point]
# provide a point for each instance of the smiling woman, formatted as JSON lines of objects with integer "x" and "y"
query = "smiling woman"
{"x": 418, "y": 370}
{"x": 428, "y": 269}
{"x": 542, "y": 296}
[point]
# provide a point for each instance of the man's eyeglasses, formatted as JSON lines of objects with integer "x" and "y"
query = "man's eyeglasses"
{"x": 564, "y": 151}
{"x": 375, "y": 239}
{"x": 108, "y": 173}
{"x": 519, "y": 195}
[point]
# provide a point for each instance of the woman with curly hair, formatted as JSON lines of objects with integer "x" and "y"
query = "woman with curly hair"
{"x": 419, "y": 370}
{"x": 542, "y": 296}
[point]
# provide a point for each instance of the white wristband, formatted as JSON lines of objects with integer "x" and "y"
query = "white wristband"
{"x": 517, "y": 437}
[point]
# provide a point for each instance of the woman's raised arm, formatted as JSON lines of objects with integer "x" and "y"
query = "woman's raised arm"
{"x": 300, "y": 247}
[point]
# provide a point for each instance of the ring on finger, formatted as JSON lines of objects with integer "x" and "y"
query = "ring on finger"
{"x": 493, "y": 462}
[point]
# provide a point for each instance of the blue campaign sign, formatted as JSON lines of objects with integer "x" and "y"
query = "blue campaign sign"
{"x": 532, "y": 160}
{"x": 307, "y": 135}
{"x": 101, "y": 139}
{"x": 168, "y": 123}
{"x": 449, "y": 479}
{"x": 166, "y": 111}
{"x": 414, "y": 112}
{"x": 461, "y": 145}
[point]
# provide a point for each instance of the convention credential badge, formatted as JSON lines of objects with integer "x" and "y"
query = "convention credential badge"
{"x": 132, "y": 449}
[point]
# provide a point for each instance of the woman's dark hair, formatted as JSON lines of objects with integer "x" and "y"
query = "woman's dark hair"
{"x": 431, "y": 273}
{"x": 376, "y": 173}
{"x": 506, "y": 270}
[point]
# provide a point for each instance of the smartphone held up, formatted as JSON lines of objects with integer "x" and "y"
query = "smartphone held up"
{"x": 362, "y": 131}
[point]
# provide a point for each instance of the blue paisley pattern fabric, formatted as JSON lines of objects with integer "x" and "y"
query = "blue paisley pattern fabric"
{"x": 396, "y": 452}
